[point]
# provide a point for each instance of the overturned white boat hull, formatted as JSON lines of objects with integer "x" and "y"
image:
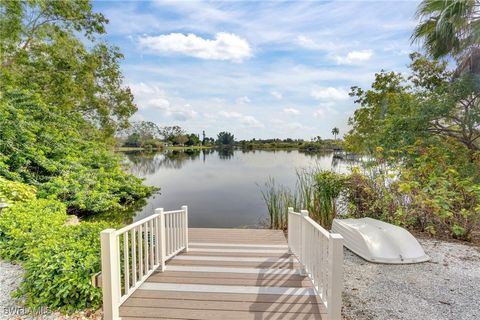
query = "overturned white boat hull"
{"x": 378, "y": 241}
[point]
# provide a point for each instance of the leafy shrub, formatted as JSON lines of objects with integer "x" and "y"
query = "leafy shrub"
{"x": 153, "y": 144}
{"x": 87, "y": 190}
{"x": 58, "y": 273}
{"x": 369, "y": 196}
{"x": 316, "y": 191}
{"x": 62, "y": 155}
{"x": 26, "y": 225}
{"x": 431, "y": 193}
{"x": 12, "y": 191}
{"x": 327, "y": 188}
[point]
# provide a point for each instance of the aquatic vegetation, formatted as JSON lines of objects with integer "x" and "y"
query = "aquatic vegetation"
{"x": 316, "y": 190}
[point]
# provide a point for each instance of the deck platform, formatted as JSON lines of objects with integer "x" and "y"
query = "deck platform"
{"x": 228, "y": 274}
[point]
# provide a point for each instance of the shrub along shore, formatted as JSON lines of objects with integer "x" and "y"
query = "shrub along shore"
{"x": 62, "y": 99}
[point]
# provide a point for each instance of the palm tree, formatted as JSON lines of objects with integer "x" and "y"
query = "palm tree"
{"x": 451, "y": 27}
{"x": 335, "y": 132}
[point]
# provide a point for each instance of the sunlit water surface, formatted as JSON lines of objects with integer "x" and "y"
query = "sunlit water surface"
{"x": 222, "y": 188}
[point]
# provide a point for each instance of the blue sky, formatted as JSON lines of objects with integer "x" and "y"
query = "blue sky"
{"x": 257, "y": 69}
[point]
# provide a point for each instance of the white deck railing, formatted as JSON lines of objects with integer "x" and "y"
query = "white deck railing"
{"x": 131, "y": 254}
{"x": 321, "y": 254}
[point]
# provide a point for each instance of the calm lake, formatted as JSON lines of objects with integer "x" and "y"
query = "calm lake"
{"x": 222, "y": 188}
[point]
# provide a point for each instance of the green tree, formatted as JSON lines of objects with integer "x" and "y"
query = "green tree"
{"x": 145, "y": 129}
{"x": 50, "y": 47}
{"x": 180, "y": 139}
{"x": 335, "y": 132}
{"x": 170, "y": 134}
{"x": 451, "y": 27}
{"x": 225, "y": 139}
{"x": 42, "y": 146}
{"x": 143, "y": 133}
{"x": 133, "y": 140}
{"x": 193, "y": 140}
{"x": 430, "y": 102}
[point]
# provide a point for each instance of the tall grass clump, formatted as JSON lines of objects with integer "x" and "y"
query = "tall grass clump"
{"x": 278, "y": 198}
{"x": 315, "y": 190}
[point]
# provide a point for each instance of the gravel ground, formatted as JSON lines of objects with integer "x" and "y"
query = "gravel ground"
{"x": 10, "y": 309}
{"x": 10, "y": 277}
{"x": 446, "y": 287}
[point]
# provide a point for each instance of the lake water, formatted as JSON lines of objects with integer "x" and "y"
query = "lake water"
{"x": 222, "y": 188}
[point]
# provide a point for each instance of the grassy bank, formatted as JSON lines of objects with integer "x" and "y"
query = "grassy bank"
{"x": 304, "y": 146}
{"x": 188, "y": 147}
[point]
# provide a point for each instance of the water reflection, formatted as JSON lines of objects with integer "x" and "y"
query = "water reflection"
{"x": 225, "y": 153}
{"x": 147, "y": 163}
{"x": 221, "y": 186}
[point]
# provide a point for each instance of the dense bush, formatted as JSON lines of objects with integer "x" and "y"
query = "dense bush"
{"x": 58, "y": 273}
{"x": 41, "y": 146}
{"x": 88, "y": 190}
{"x": 27, "y": 225}
{"x": 431, "y": 193}
{"x": 58, "y": 259}
{"x": 327, "y": 188}
{"x": 12, "y": 191}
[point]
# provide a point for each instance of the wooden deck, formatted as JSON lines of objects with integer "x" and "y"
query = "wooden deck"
{"x": 228, "y": 274}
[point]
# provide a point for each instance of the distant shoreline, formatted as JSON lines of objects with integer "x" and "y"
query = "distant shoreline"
{"x": 126, "y": 149}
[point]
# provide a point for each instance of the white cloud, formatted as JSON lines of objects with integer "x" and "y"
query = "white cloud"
{"x": 247, "y": 120}
{"x": 143, "y": 88}
{"x": 152, "y": 97}
{"x": 225, "y": 46}
{"x": 183, "y": 114}
{"x": 329, "y": 94}
{"x": 305, "y": 41}
{"x": 324, "y": 45}
{"x": 243, "y": 100}
{"x": 277, "y": 121}
{"x": 277, "y": 95}
{"x": 291, "y": 111}
{"x": 251, "y": 121}
{"x": 158, "y": 103}
{"x": 320, "y": 113}
{"x": 230, "y": 114}
{"x": 355, "y": 57}
{"x": 296, "y": 126}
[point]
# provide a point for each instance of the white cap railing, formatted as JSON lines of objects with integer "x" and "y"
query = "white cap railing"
{"x": 131, "y": 254}
{"x": 321, "y": 254}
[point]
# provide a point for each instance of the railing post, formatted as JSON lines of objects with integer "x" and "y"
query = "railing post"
{"x": 185, "y": 233}
{"x": 335, "y": 276}
{"x": 289, "y": 228}
{"x": 162, "y": 238}
{"x": 110, "y": 274}
{"x": 304, "y": 214}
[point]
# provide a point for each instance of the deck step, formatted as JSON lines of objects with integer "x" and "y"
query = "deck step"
{"x": 233, "y": 270}
{"x": 227, "y": 289}
{"x": 234, "y": 245}
{"x": 235, "y": 259}
{"x": 209, "y": 249}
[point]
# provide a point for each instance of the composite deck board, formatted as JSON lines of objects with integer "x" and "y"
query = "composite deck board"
{"x": 223, "y": 275}
{"x": 220, "y": 305}
{"x": 188, "y": 296}
{"x": 281, "y": 265}
{"x": 228, "y": 274}
{"x": 235, "y": 282}
{"x": 265, "y": 254}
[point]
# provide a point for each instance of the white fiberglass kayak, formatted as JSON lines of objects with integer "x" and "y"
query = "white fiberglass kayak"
{"x": 378, "y": 241}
